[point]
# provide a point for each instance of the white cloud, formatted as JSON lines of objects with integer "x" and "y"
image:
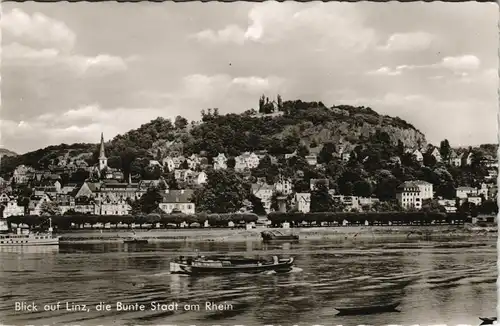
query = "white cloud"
{"x": 230, "y": 34}
{"x": 18, "y": 54}
{"x": 207, "y": 87}
{"x": 416, "y": 41}
{"x": 16, "y": 51}
{"x": 464, "y": 62}
{"x": 270, "y": 22}
{"x": 51, "y": 42}
{"x": 38, "y": 28}
{"x": 385, "y": 71}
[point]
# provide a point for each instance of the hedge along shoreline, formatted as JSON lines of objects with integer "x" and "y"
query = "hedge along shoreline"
{"x": 65, "y": 221}
{"x": 331, "y": 218}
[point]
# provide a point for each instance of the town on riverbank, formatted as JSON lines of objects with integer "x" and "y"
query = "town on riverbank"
{"x": 383, "y": 179}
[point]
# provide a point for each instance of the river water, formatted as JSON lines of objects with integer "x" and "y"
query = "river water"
{"x": 435, "y": 283}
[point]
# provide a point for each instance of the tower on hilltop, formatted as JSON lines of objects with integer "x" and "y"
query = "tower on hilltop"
{"x": 103, "y": 160}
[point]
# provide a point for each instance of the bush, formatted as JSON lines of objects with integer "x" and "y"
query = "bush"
{"x": 359, "y": 218}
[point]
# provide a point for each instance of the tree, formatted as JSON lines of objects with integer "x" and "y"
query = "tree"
{"x": 262, "y": 100}
{"x": 362, "y": 188}
{"x": 224, "y": 192}
{"x": 231, "y": 163}
{"x": 152, "y": 172}
{"x": 280, "y": 103}
{"x": 115, "y": 162}
{"x": 50, "y": 208}
{"x": 257, "y": 206}
{"x": 184, "y": 165}
{"x": 302, "y": 151}
{"x": 445, "y": 150}
{"x": 171, "y": 181}
{"x": 321, "y": 200}
{"x": 326, "y": 153}
{"x": 180, "y": 122}
{"x": 150, "y": 200}
{"x": 79, "y": 176}
{"x": 429, "y": 160}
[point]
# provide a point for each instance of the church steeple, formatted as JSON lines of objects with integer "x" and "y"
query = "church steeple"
{"x": 101, "y": 151}
{"x": 103, "y": 160}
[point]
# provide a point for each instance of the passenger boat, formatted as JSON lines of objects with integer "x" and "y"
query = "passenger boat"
{"x": 276, "y": 235}
{"x": 203, "y": 266}
{"x": 366, "y": 310}
{"x": 29, "y": 239}
{"x": 488, "y": 320}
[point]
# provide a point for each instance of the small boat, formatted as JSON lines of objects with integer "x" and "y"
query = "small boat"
{"x": 366, "y": 310}
{"x": 204, "y": 266}
{"x": 135, "y": 241}
{"x": 276, "y": 235}
{"x": 488, "y": 320}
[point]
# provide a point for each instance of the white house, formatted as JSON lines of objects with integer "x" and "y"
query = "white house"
{"x": 476, "y": 200}
{"x": 419, "y": 157}
{"x": 12, "y": 209}
{"x": 178, "y": 200}
{"x": 312, "y": 159}
{"x": 200, "y": 178}
{"x": 114, "y": 206}
{"x": 409, "y": 195}
{"x": 456, "y": 159}
{"x": 426, "y": 189}
{"x": 465, "y": 192}
{"x": 220, "y": 162}
{"x": 246, "y": 161}
{"x": 284, "y": 186}
{"x": 22, "y": 174}
{"x": 193, "y": 161}
{"x": 4, "y": 198}
{"x": 303, "y": 202}
{"x": 436, "y": 154}
{"x": 483, "y": 190}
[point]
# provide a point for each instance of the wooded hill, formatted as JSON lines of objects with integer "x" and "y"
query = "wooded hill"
{"x": 293, "y": 125}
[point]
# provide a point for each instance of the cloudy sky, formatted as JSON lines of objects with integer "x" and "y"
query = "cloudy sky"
{"x": 72, "y": 70}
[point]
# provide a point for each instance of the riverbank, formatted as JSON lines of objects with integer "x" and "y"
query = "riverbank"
{"x": 226, "y": 235}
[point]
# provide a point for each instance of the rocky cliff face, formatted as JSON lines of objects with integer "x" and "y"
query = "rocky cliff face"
{"x": 354, "y": 125}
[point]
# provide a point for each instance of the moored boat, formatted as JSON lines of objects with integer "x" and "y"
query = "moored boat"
{"x": 27, "y": 238}
{"x": 204, "y": 266}
{"x": 365, "y": 310}
{"x": 488, "y": 320}
{"x": 276, "y": 235}
{"x": 135, "y": 241}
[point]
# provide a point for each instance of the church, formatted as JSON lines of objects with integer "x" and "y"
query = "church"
{"x": 102, "y": 169}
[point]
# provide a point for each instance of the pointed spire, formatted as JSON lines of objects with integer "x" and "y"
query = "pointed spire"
{"x": 101, "y": 151}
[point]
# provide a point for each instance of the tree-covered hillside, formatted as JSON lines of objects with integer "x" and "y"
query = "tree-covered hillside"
{"x": 302, "y": 126}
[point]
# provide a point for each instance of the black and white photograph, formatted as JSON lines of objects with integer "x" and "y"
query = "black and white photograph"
{"x": 249, "y": 163}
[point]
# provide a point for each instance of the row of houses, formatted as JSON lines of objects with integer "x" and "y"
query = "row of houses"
{"x": 100, "y": 202}
{"x": 456, "y": 159}
{"x": 411, "y": 195}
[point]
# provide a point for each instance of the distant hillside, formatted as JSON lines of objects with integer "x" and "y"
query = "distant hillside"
{"x": 42, "y": 158}
{"x": 307, "y": 124}
{"x": 6, "y": 152}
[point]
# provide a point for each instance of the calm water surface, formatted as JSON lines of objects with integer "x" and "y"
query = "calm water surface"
{"x": 436, "y": 283}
